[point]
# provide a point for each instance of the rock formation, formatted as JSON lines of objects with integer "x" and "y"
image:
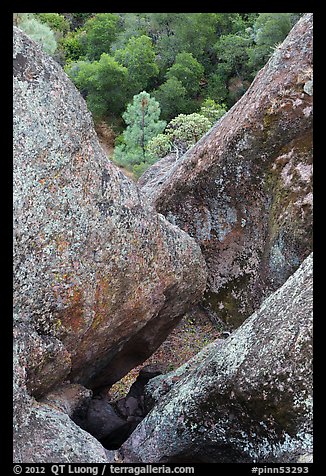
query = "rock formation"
{"x": 44, "y": 431}
{"x": 100, "y": 279}
{"x": 244, "y": 191}
{"x": 112, "y": 422}
{"x": 247, "y": 399}
{"x": 100, "y": 276}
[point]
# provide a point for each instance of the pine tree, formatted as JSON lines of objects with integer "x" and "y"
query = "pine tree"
{"x": 143, "y": 123}
{"x": 142, "y": 117}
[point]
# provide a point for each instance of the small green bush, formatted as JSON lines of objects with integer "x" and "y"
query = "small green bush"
{"x": 55, "y": 21}
{"x": 73, "y": 45}
{"x": 101, "y": 31}
{"x": 102, "y": 83}
{"x": 41, "y": 33}
{"x": 119, "y": 140}
{"x": 212, "y": 110}
{"x": 186, "y": 129}
{"x": 159, "y": 146}
{"x": 127, "y": 157}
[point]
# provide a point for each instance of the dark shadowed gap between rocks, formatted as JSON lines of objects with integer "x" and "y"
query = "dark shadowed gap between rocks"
{"x": 112, "y": 415}
{"x": 112, "y": 422}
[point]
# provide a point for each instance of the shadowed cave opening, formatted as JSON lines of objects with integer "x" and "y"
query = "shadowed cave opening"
{"x": 111, "y": 422}
{"x": 115, "y": 411}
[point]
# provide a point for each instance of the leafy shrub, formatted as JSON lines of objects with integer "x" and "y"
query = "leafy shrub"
{"x": 39, "y": 32}
{"x": 159, "y": 146}
{"x": 143, "y": 123}
{"x": 101, "y": 31}
{"x": 269, "y": 30}
{"x": 180, "y": 134}
{"x": 143, "y": 119}
{"x": 74, "y": 46}
{"x": 188, "y": 71}
{"x": 212, "y": 110}
{"x": 77, "y": 20}
{"x": 55, "y": 21}
{"x": 102, "y": 83}
{"x": 119, "y": 140}
{"x": 217, "y": 87}
{"x": 138, "y": 56}
{"x": 272, "y": 28}
{"x": 172, "y": 96}
{"x": 186, "y": 129}
{"x": 126, "y": 156}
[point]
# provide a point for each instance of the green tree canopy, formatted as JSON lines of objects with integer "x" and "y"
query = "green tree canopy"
{"x": 77, "y": 20}
{"x": 103, "y": 84}
{"x": 232, "y": 53}
{"x": 180, "y": 134}
{"x": 272, "y": 28}
{"x": 217, "y": 87}
{"x": 188, "y": 71}
{"x": 73, "y": 45}
{"x": 159, "y": 146}
{"x": 181, "y": 59}
{"x": 186, "y": 129}
{"x": 138, "y": 57}
{"x": 101, "y": 31}
{"x": 212, "y": 110}
{"x": 269, "y": 30}
{"x": 55, "y": 21}
{"x": 143, "y": 120}
{"x": 131, "y": 25}
{"x": 172, "y": 96}
{"x": 143, "y": 123}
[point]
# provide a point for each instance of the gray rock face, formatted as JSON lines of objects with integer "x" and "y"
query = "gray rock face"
{"x": 69, "y": 398}
{"x": 153, "y": 177}
{"x": 100, "y": 278}
{"x": 43, "y": 431}
{"x": 244, "y": 191}
{"x": 246, "y": 399}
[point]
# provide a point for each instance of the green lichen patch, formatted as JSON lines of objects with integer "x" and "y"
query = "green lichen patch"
{"x": 227, "y": 303}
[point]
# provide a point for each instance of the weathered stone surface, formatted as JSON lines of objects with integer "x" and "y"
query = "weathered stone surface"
{"x": 110, "y": 422}
{"x": 50, "y": 436}
{"x": 100, "y": 278}
{"x": 44, "y": 432}
{"x": 244, "y": 191}
{"x": 153, "y": 177}
{"x": 69, "y": 398}
{"x": 246, "y": 399}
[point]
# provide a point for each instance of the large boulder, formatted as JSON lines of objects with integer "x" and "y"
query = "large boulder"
{"x": 245, "y": 399}
{"x": 244, "y": 191}
{"x": 43, "y": 430}
{"x": 100, "y": 279}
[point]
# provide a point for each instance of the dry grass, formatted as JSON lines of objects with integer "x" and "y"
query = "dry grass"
{"x": 106, "y": 137}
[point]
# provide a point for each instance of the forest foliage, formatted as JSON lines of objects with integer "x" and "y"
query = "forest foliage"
{"x": 160, "y": 80}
